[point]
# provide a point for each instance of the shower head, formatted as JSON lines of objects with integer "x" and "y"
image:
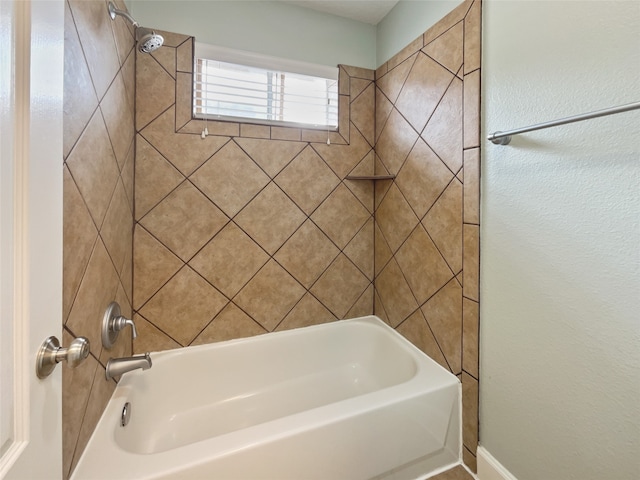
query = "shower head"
{"x": 148, "y": 40}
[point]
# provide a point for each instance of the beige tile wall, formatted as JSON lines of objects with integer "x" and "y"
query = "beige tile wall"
{"x": 427, "y": 219}
{"x": 99, "y": 83}
{"x": 254, "y": 228}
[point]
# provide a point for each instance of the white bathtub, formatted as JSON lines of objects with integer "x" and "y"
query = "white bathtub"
{"x": 345, "y": 400}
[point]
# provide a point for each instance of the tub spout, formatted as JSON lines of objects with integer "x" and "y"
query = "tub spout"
{"x": 118, "y": 366}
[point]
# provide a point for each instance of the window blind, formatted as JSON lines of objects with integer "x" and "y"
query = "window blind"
{"x": 226, "y": 90}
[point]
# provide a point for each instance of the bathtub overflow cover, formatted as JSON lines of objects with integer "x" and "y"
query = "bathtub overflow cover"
{"x": 126, "y": 414}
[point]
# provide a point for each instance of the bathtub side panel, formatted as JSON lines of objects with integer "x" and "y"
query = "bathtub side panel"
{"x": 395, "y": 441}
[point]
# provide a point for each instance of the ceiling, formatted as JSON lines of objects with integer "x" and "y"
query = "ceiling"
{"x": 367, "y": 11}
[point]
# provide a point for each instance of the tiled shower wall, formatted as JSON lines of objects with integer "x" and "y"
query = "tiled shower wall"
{"x": 427, "y": 218}
{"x": 257, "y": 228}
{"x": 254, "y": 228}
{"x": 99, "y": 83}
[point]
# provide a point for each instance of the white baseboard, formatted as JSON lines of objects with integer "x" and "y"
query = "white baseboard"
{"x": 491, "y": 469}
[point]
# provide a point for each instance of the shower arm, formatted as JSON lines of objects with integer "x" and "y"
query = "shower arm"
{"x": 113, "y": 11}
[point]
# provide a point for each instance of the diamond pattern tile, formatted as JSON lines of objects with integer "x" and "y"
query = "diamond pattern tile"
{"x": 307, "y": 180}
{"x": 378, "y": 308}
{"x": 230, "y": 178}
{"x": 444, "y": 315}
{"x": 94, "y": 168}
{"x": 270, "y": 218}
{"x": 184, "y": 306}
{"x": 341, "y": 216}
{"x": 357, "y": 86}
{"x": 391, "y": 83}
{"x": 422, "y": 265}
{"x": 422, "y": 91}
{"x": 342, "y": 158}
{"x": 166, "y": 57}
{"x": 151, "y": 338}
{"x": 382, "y": 253}
{"x": 360, "y": 249}
{"x": 116, "y": 231}
{"x": 123, "y": 34}
{"x": 447, "y": 48}
{"x": 75, "y": 395}
{"x": 155, "y": 177}
{"x": 307, "y": 254}
{"x": 79, "y": 238}
{"x": 395, "y": 294}
{"x": 172, "y": 39}
{"x": 417, "y": 331}
{"x": 161, "y": 134}
{"x": 118, "y": 117}
{"x": 446, "y": 22}
{"x": 129, "y": 77}
{"x": 271, "y": 155}
{"x": 153, "y": 265}
{"x": 443, "y": 133}
{"x": 184, "y": 221}
{"x": 96, "y": 37}
{"x": 308, "y": 311}
{"x": 155, "y": 89}
{"x": 363, "y": 190}
{"x": 79, "y": 95}
{"x": 270, "y": 295}
{"x": 359, "y": 72}
{"x": 229, "y": 260}
{"x": 381, "y": 187}
{"x": 406, "y": 52}
{"x": 229, "y": 324}
{"x": 423, "y": 178}
{"x": 363, "y": 113}
{"x": 395, "y": 142}
{"x": 383, "y": 109}
{"x": 395, "y": 218}
{"x": 363, "y": 306}
{"x": 99, "y": 396}
{"x": 97, "y": 289}
{"x": 127, "y": 176}
{"x": 340, "y": 286}
{"x": 184, "y": 54}
{"x": 444, "y": 224}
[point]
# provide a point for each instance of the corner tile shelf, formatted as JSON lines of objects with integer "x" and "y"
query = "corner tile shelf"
{"x": 370, "y": 177}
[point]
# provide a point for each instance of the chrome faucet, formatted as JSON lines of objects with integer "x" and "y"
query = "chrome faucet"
{"x": 118, "y": 366}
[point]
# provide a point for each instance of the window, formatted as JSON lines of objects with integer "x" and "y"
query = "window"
{"x": 260, "y": 89}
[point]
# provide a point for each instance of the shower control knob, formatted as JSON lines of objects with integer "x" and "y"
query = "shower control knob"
{"x": 51, "y": 353}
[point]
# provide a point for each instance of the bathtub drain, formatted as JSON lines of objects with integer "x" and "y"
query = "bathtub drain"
{"x": 126, "y": 414}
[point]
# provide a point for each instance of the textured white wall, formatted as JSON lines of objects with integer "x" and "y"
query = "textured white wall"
{"x": 271, "y": 28}
{"x": 560, "y": 241}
